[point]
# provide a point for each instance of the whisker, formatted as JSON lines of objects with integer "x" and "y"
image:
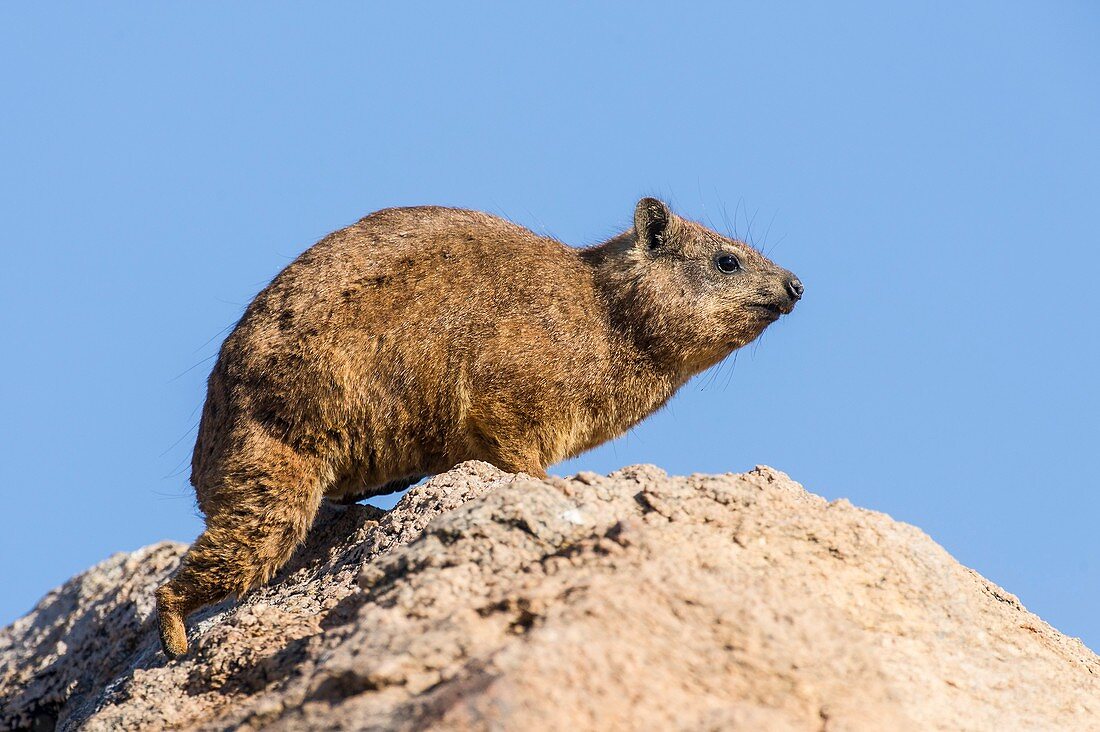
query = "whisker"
{"x": 185, "y": 434}
{"x": 191, "y": 368}
{"x": 751, "y": 222}
{"x": 178, "y": 469}
{"x": 733, "y": 366}
{"x": 211, "y": 338}
{"x": 767, "y": 231}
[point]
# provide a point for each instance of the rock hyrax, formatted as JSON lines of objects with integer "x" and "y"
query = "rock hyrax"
{"x": 418, "y": 338}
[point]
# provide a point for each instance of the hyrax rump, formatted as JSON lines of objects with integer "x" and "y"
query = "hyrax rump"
{"x": 418, "y": 338}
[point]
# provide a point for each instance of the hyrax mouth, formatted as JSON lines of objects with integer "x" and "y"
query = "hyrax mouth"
{"x": 770, "y": 311}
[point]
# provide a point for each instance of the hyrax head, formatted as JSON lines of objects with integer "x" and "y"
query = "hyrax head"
{"x": 710, "y": 294}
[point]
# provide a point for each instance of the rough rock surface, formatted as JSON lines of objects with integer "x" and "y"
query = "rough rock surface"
{"x": 636, "y": 601}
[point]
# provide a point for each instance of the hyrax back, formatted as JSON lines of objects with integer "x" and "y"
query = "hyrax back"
{"x": 421, "y": 337}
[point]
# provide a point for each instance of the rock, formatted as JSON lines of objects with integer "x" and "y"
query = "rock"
{"x": 493, "y": 601}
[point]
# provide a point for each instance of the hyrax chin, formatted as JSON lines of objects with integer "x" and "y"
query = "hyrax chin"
{"x": 421, "y": 337}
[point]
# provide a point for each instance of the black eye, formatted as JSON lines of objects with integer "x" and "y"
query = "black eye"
{"x": 727, "y": 263}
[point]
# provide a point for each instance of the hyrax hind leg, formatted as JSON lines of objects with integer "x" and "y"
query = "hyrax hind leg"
{"x": 260, "y": 502}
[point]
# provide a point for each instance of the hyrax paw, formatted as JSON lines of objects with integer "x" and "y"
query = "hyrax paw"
{"x": 173, "y": 633}
{"x": 173, "y": 636}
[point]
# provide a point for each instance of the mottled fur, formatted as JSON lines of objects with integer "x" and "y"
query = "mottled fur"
{"x": 421, "y": 337}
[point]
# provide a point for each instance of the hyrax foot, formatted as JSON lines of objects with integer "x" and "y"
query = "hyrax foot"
{"x": 255, "y": 518}
{"x": 173, "y": 633}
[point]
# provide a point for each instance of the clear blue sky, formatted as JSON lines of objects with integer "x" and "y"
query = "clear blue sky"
{"x": 931, "y": 173}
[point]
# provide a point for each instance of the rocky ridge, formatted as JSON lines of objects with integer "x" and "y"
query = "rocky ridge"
{"x": 486, "y": 600}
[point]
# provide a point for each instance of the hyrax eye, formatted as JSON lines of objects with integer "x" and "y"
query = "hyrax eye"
{"x": 727, "y": 263}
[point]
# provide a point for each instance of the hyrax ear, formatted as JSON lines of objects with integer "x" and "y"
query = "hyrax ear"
{"x": 652, "y": 219}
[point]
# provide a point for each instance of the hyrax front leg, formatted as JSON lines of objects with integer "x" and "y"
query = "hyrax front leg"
{"x": 260, "y": 503}
{"x": 517, "y": 458}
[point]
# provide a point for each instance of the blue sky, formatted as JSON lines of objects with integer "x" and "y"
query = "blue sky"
{"x": 932, "y": 173}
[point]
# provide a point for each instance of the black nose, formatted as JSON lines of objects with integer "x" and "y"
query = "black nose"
{"x": 795, "y": 288}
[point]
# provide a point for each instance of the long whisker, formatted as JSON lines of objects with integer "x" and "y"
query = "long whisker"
{"x": 211, "y": 338}
{"x": 181, "y": 439}
{"x": 733, "y": 366}
{"x": 751, "y": 221}
{"x": 191, "y": 368}
{"x": 767, "y": 231}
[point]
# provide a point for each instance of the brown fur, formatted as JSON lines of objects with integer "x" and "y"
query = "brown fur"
{"x": 421, "y": 337}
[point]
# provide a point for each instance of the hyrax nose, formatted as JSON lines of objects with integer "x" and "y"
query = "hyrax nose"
{"x": 795, "y": 288}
